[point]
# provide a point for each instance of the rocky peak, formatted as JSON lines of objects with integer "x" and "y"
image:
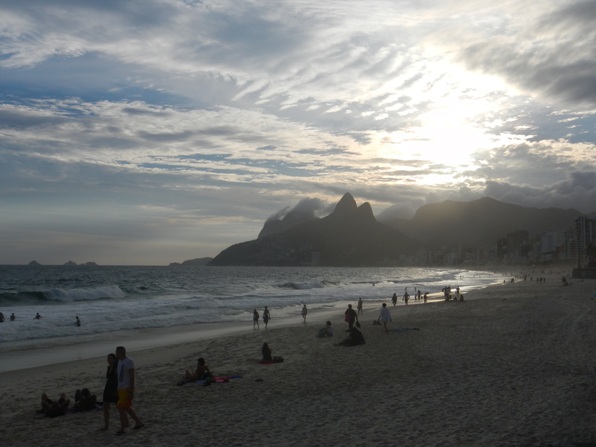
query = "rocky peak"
{"x": 365, "y": 212}
{"x": 347, "y": 205}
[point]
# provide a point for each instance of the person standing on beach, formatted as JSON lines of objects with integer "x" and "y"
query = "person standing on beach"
{"x": 126, "y": 388}
{"x": 385, "y": 317}
{"x": 304, "y": 312}
{"x": 255, "y": 319}
{"x": 394, "y": 299}
{"x": 359, "y": 306}
{"x": 350, "y": 316}
{"x": 266, "y": 316}
{"x": 12, "y": 317}
{"x": 110, "y": 391}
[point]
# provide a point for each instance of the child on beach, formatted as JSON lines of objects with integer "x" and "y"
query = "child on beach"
{"x": 326, "y": 331}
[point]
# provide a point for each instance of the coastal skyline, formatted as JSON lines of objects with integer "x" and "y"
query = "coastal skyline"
{"x": 149, "y": 132}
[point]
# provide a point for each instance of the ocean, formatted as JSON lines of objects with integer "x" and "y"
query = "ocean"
{"x": 109, "y": 299}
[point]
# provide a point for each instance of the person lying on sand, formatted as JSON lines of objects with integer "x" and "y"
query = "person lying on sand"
{"x": 52, "y": 408}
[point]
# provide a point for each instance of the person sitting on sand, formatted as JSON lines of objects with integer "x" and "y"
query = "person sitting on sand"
{"x": 201, "y": 372}
{"x": 53, "y": 408}
{"x": 354, "y": 338}
{"x": 84, "y": 400}
{"x": 267, "y": 355}
{"x": 266, "y": 352}
{"x": 326, "y": 331}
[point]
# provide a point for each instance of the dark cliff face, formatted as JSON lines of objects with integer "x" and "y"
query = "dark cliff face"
{"x": 349, "y": 236}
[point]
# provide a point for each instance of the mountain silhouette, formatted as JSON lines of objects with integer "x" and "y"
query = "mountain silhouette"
{"x": 349, "y": 236}
{"x": 481, "y": 222}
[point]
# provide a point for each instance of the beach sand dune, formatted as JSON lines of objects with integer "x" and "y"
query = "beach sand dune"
{"x": 513, "y": 365}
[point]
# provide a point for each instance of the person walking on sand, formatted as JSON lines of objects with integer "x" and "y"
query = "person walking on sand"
{"x": 304, "y": 312}
{"x": 255, "y": 319}
{"x": 266, "y": 316}
{"x": 359, "y": 306}
{"x": 126, "y": 388}
{"x": 350, "y": 316}
{"x": 110, "y": 390}
{"x": 385, "y": 317}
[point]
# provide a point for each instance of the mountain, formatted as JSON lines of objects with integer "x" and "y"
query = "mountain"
{"x": 290, "y": 220}
{"x": 481, "y": 222}
{"x": 349, "y": 236}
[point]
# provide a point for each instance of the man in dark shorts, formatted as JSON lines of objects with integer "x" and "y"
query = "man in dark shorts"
{"x": 350, "y": 316}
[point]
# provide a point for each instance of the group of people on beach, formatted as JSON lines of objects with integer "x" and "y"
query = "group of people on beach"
{"x": 119, "y": 389}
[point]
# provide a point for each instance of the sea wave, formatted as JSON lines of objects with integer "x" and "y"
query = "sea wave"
{"x": 60, "y": 295}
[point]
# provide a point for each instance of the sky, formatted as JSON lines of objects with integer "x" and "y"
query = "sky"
{"x": 147, "y": 132}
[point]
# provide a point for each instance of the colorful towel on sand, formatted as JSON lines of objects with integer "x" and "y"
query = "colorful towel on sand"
{"x": 404, "y": 329}
{"x": 219, "y": 379}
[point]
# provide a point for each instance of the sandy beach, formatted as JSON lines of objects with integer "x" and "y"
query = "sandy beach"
{"x": 513, "y": 365}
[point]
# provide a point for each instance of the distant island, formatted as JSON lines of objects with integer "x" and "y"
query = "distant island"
{"x": 192, "y": 262}
{"x": 67, "y": 264}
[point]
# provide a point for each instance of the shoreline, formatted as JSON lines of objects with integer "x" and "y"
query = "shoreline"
{"x": 61, "y": 350}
